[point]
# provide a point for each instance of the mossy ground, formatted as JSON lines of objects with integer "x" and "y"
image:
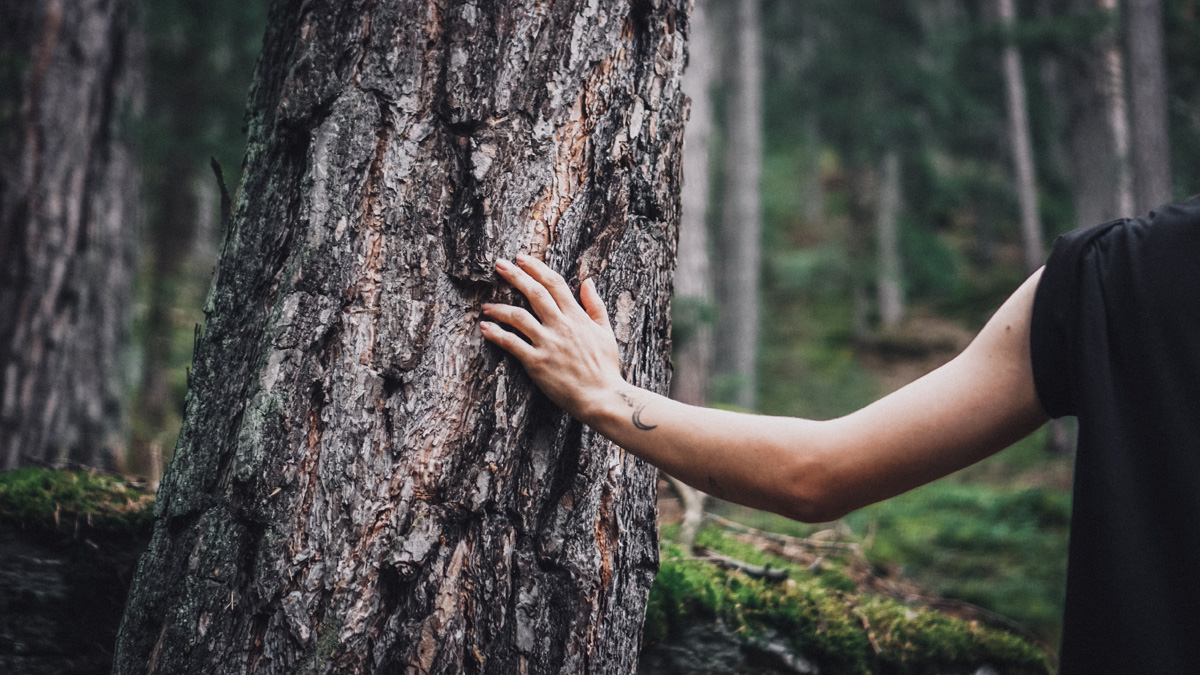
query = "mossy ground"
{"x": 827, "y": 621}
{"x": 68, "y": 500}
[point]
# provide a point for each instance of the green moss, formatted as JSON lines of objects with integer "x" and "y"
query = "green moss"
{"x": 842, "y": 631}
{"x": 71, "y": 499}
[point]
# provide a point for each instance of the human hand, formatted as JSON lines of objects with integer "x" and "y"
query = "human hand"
{"x": 572, "y": 351}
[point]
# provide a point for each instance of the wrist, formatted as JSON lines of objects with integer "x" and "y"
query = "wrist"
{"x": 605, "y": 405}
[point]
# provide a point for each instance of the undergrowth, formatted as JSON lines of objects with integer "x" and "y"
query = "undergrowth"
{"x": 823, "y": 619}
{"x": 70, "y": 499}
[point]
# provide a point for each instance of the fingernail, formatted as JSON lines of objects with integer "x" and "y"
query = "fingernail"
{"x": 487, "y": 306}
{"x": 502, "y": 264}
{"x": 521, "y": 257}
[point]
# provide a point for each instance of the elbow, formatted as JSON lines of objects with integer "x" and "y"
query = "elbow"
{"x": 811, "y": 494}
{"x": 813, "y": 510}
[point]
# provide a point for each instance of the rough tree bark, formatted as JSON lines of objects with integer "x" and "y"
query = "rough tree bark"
{"x": 693, "y": 278}
{"x": 741, "y": 227}
{"x": 68, "y": 195}
{"x": 361, "y": 484}
{"x": 1151, "y": 151}
{"x": 1020, "y": 141}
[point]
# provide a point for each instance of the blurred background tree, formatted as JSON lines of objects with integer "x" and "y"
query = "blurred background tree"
{"x": 70, "y": 88}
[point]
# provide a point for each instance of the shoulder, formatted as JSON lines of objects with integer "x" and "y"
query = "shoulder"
{"x": 1131, "y": 271}
{"x": 1167, "y": 234}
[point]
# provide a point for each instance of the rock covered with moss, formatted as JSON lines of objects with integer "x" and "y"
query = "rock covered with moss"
{"x": 69, "y": 543}
{"x": 705, "y": 619}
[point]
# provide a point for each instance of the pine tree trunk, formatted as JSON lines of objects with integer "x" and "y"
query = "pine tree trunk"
{"x": 1021, "y": 144}
{"x": 693, "y": 279}
{"x": 1151, "y": 157}
{"x": 693, "y": 276}
{"x": 1099, "y": 127}
{"x": 741, "y": 229}
{"x": 890, "y": 282}
{"x": 68, "y": 195}
{"x": 361, "y": 483}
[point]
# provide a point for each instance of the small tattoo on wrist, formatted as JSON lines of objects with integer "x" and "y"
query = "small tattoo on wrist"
{"x": 636, "y": 418}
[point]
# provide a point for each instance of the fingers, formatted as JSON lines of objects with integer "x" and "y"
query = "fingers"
{"x": 552, "y": 280}
{"x": 507, "y": 341}
{"x": 517, "y": 318}
{"x": 593, "y": 304}
{"x": 543, "y": 303}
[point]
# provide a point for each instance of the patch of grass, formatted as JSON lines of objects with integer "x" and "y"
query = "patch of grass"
{"x": 994, "y": 535}
{"x": 1000, "y": 548}
{"x": 69, "y": 499}
{"x": 842, "y": 631}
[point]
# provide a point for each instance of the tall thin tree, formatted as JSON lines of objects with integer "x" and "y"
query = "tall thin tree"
{"x": 693, "y": 279}
{"x": 68, "y": 211}
{"x": 1151, "y": 152}
{"x": 890, "y": 280}
{"x": 1020, "y": 141}
{"x": 361, "y": 483}
{"x": 741, "y": 222}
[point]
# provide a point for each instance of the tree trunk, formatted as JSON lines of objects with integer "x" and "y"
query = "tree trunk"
{"x": 864, "y": 188}
{"x": 361, "y": 483}
{"x": 741, "y": 229}
{"x": 1118, "y": 111}
{"x": 890, "y": 282}
{"x": 68, "y": 195}
{"x": 692, "y": 304}
{"x": 1099, "y": 128}
{"x": 1151, "y": 158}
{"x": 1020, "y": 142}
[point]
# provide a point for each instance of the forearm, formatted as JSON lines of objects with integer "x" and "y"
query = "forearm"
{"x": 771, "y": 463}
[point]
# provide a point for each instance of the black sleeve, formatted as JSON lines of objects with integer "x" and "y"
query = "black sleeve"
{"x": 1054, "y": 332}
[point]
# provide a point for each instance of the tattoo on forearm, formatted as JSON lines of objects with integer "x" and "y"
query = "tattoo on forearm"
{"x": 637, "y": 412}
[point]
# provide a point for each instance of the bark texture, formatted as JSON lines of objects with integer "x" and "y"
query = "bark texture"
{"x": 361, "y": 484}
{"x": 68, "y": 195}
{"x": 736, "y": 344}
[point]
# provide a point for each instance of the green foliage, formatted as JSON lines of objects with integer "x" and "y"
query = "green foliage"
{"x": 823, "y": 619}
{"x": 53, "y": 500}
{"x": 995, "y": 547}
{"x": 689, "y": 315}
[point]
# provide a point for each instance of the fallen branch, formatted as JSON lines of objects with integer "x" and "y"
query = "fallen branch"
{"x": 766, "y": 573}
{"x": 783, "y": 538}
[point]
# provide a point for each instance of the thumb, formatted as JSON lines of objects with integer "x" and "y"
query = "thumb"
{"x": 592, "y": 303}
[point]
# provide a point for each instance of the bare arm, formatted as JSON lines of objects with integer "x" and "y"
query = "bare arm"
{"x": 970, "y": 408}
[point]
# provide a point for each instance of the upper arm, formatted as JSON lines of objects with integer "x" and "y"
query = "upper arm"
{"x": 975, "y": 405}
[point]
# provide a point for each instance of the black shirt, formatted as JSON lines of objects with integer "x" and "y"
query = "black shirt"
{"x": 1116, "y": 342}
